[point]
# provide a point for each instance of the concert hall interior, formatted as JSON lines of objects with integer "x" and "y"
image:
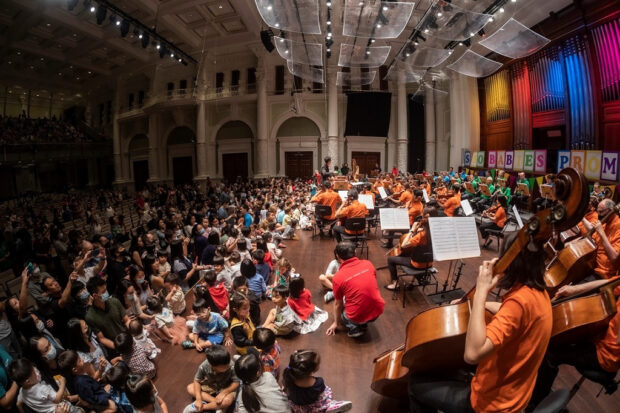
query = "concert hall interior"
{"x": 309, "y": 206}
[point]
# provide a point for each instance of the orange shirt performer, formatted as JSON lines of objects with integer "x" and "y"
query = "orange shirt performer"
{"x": 607, "y": 239}
{"x": 352, "y": 208}
{"x": 329, "y": 198}
{"x": 451, "y": 204}
{"x": 508, "y": 350}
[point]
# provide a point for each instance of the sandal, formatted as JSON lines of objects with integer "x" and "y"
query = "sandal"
{"x": 387, "y": 287}
{"x": 188, "y": 344}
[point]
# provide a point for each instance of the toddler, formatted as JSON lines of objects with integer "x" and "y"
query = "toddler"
{"x": 134, "y": 355}
{"x": 175, "y": 297}
{"x": 282, "y": 320}
{"x": 141, "y": 337}
{"x": 300, "y": 301}
{"x": 269, "y": 350}
{"x": 208, "y": 328}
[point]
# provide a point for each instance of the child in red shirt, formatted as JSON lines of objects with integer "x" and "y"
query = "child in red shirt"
{"x": 300, "y": 301}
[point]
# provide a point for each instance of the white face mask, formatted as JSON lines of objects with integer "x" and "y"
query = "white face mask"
{"x": 51, "y": 355}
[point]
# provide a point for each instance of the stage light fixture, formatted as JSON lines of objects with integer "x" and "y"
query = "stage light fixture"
{"x": 265, "y": 37}
{"x": 372, "y": 40}
{"x": 466, "y": 42}
{"x": 482, "y": 33}
{"x": 101, "y": 13}
{"x": 158, "y": 46}
{"x": 124, "y": 27}
{"x": 145, "y": 40}
{"x": 329, "y": 3}
{"x": 501, "y": 10}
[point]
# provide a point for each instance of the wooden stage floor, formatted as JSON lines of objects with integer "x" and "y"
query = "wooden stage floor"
{"x": 347, "y": 363}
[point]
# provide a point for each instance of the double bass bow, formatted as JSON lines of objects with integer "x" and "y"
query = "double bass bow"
{"x": 435, "y": 338}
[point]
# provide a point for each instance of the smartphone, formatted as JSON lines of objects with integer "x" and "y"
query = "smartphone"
{"x": 30, "y": 268}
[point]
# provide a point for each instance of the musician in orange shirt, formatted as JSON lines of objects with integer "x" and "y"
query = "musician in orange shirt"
{"x": 368, "y": 191}
{"x": 419, "y": 240}
{"x": 508, "y": 350}
{"x": 329, "y": 198}
{"x": 591, "y": 216}
{"x": 351, "y": 208}
{"x": 451, "y": 204}
{"x": 415, "y": 206}
{"x": 607, "y": 239}
{"x": 497, "y": 215}
{"x": 600, "y": 354}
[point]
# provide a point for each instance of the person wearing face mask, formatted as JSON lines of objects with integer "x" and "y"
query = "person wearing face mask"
{"x": 106, "y": 315}
{"x": 37, "y": 393}
{"x": 126, "y": 294}
{"x": 55, "y": 307}
{"x": 85, "y": 343}
{"x": 80, "y": 300}
{"x": 140, "y": 283}
{"x": 45, "y": 349}
{"x": 117, "y": 266}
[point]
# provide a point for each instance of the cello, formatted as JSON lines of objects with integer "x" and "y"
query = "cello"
{"x": 573, "y": 262}
{"x": 435, "y": 338}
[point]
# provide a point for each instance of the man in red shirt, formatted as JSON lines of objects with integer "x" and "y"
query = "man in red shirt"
{"x": 357, "y": 297}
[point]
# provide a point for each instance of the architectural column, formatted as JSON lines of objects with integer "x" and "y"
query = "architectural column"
{"x": 402, "y": 138}
{"x": 429, "y": 128}
{"x": 154, "y": 172}
{"x": 201, "y": 140}
{"x": 262, "y": 123}
{"x": 464, "y": 117}
{"x": 116, "y": 151}
{"x": 332, "y": 118}
{"x": 390, "y": 159}
{"x": 442, "y": 147}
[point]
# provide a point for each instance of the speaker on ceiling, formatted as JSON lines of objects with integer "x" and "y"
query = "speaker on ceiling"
{"x": 265, "y": 37}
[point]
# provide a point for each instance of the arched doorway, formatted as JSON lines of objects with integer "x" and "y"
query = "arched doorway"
{"x": 138, "y": 157}
{"x": 234, "y": 147}
{"x": 298, "y": 139}
{"x": 181, "y": 151}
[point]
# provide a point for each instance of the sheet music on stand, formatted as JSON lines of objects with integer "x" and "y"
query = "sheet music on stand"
{"x": 453, "y": 238}
{"x": 517, "y": 216}
{"x": 467, "y": 209}
{"x": 382, "y": 192}
{"x": 425, "y": 194}
{"x": 357, "y": 183}
{"x": 394, "y": 219}
{"x": 343, "y": 195}
{"x": 366, "y": 200}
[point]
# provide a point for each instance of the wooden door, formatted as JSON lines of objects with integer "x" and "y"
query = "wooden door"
{"x": 298, "y": 164}
{"x": 366, "y": 160}
{"x": 140, "y": 174}
{"x": 182, "y": 170}
{"x": 235, "y": 165}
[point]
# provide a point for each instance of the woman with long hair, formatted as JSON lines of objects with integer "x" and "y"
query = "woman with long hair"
{"x": 259, "y": 392}
{"x": 82, "y": 340}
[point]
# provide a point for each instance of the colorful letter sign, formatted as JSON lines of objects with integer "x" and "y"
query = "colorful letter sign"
{"x": 480, "y": 159}
{"x": 528, "y": 161}
{"x": 518, "y": 161}
{"x": 492, "y": 159}
{"x": 609, "y": 166}
{"x": 540, "y": 161}
{"x": 467, "y": 158}
{"x": 509, "y": 160}
{"x": 593, "y": 164}
{"x": 501, "y": 156}
{"x": 578, "y": 160}
{"x": 563, "y": 160}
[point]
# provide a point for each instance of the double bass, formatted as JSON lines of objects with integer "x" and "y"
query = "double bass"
{"x": 435, "y": 338}
{"x": 573, "y": 262}
{"x": 398, "y": 250}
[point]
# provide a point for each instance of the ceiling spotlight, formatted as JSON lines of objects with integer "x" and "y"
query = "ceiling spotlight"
{"x": 514, "y": 1}
{"x": 378, "y": 25}
{"x": 329, "y": 22}
{"x": 501, "y": 10}
{"x": 407, "y": 54}
{"x": 281, "y": 40}
{"x": 180, "y": 60}
{"x": 171, "y": 54}
{"x": 361, "y": 3}
{"x": 329, "y": 3}
{"x": 425, "y": 30}
{"x": 372, "y": 40}
{"x": 118, "y": 22}
{"x": 329, "y": 35}
{"x": 269, "y": 8}
{"x": 460, "y": 43}
{"x": 277, "y": 25}
{"x": 367, "y": 52}
{"x": 157, "y": 47}
{"x": 385, "y": 8}
{"x": 140, "y": 36}
{"x": 93, "y": 9}
{"x": 439, "y": 14}
{"x": 286, "y": 51}
{"x": 472, "y": 34}
{"x": 490, "y": 19}
{"x": 328, "y": 50}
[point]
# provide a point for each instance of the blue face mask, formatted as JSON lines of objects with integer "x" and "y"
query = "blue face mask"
{"x": 84, "y": 295}
{"x": 105, "y": 296}
{"x": 202, "y": 231}
{"x": 140, "y": 280}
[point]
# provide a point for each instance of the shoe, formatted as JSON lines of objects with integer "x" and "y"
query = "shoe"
{"x": 329, "y": 296}
{"x": 282, "y": 245}
{"x": 339, "y": 406}
{"x": 387, "y": 287}
{"x": 356, "y": 333}
{"x": 188, "y": 344}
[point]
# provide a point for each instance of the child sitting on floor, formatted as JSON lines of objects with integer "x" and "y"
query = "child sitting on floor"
{"x": 37, "y": 394}
{"x": 269, "y": 350}
{"x": 90, "y": 390}
{"x": 284, "y": 272}
{"x": 241, "y": 327}
{"x": 240, "y": 285}
{"x": 259, "y": 392}
{"x": 307, "y": 393}
{"x": 116, "y": 377}
{"x": 215, "y": 383}
{"x": 169, "y": 328}
{"x": 134, "y": 355}
{"x": 175, "y": 297}
{"x": 218, "y": 294}
{"x": 209, "y": 328}
{"x": 141, "y": 337}
{"x": 300, "y": 301}
{"x": 282, "y": 320}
